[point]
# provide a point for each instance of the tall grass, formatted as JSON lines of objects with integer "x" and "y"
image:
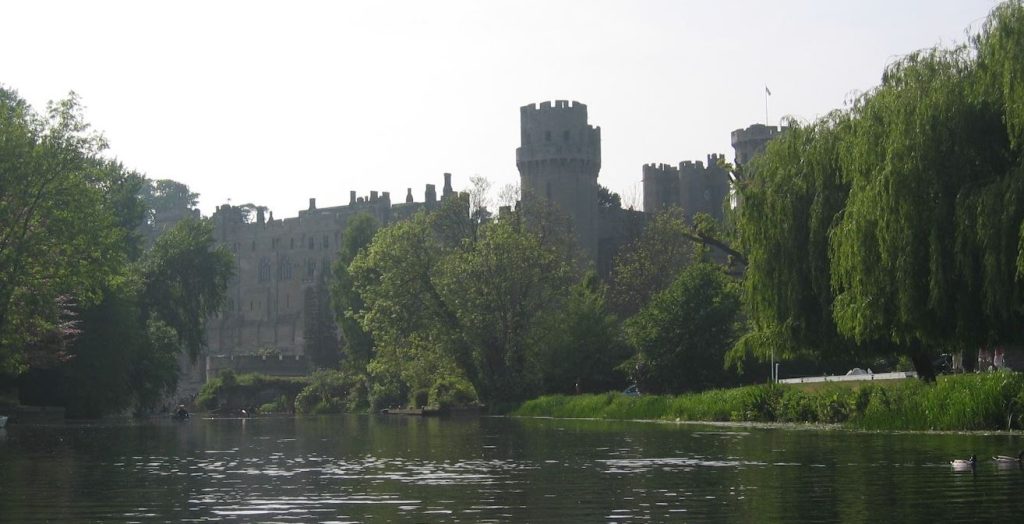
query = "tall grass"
{"x": 987, "y": 401}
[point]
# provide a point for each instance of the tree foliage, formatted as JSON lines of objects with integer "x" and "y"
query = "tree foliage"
{"x": 787, "y": 216}
{"x": 185, "y": 280}
{"x": 346, "y": 300}
{"x": 497, "y": 289}
{"x": 88, "y": 318}
{"x": 412, "y": 329}
{"x": 917, "y": 189}
{"x": 682, "y": 335}
{"x": 58, "y": 230}
{"x": 650, "y": 263}
{"x": 580, "y": 344}
{"x": 447, "y": 298}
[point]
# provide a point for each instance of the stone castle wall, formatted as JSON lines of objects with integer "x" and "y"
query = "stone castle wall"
{"x": 278, "y": 263}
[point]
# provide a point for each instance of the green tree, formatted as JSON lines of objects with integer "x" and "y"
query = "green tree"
{"x": 650, "y": 263}
{"x": 320, "y": 329}
{"x": 788, "y": 213}
{"x": 498, "y": 288}
{"x": 58, "y": 232}
{"x": 346, "y": 300}
{"x": 917, "y": 189}
{"x": 415, "y": 334}
{"x": 185, "y": 280}
{"x": 580, "y": 345}
{"x": 681, "y": 337}
{"x": 164, "y": 197}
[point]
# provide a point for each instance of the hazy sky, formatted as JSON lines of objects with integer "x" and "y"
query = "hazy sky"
{"x": 274, "y": 103}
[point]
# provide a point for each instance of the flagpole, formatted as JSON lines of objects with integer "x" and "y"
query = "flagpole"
{"x": 766, "y": 105}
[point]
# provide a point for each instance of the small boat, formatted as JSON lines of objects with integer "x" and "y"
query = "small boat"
{"x": 415, "y": 412}
{"x": 3, "y": 421}
{"x": 964, "y": 464}
{"x": 1006, "y": 459}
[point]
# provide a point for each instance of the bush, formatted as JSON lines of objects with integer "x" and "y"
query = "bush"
{"x": 451, "y": 392}
{"x": 279, "y": 405}
{"x": 331, "y": 391}
{"x": 231, "y": 391}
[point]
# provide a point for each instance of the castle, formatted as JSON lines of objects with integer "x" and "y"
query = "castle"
{"x": 279, "y": 262}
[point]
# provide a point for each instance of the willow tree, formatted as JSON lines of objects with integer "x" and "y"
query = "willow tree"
{"x": 788, "y": 212}
{"x": 910, "y": 205}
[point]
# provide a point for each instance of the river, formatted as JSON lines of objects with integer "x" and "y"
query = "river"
{"x": 491, "y": 469}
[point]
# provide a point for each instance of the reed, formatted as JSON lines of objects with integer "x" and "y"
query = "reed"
{"x": 986, "y": 401}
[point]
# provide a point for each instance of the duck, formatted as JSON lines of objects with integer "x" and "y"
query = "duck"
{"x": 964, "y": 464}
{"x": 1006, "y": 459}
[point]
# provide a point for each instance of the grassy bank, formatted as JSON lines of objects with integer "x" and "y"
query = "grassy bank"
{"x": 989, "y": 401}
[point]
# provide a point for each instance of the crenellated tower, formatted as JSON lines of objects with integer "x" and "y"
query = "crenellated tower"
{"x": 750, "y": 141}
{"x": 559, "y": 158}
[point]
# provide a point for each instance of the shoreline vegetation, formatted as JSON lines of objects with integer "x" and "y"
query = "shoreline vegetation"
{"x": 971, "y": 402}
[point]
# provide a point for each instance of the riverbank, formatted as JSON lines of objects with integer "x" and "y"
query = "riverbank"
{"x": 985, "y": 401}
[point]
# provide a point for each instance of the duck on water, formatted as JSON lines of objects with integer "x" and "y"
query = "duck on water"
{"x": 1006, "y": 459}
{"x": 964, "y": 464}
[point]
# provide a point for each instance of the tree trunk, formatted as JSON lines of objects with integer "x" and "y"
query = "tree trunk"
{"x": 922, "y": 362}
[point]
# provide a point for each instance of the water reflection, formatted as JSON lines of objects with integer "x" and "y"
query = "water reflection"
{"x": 358, "y": 468}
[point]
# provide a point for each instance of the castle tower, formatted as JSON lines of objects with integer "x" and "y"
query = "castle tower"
{"x": 558, "y": 160}
{"x": 751, "y": 141}
{"x": 661, "y": 187}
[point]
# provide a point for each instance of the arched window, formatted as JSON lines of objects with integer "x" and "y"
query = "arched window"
{"x": 284, "y": 269}
{"x": 264, "y": 275}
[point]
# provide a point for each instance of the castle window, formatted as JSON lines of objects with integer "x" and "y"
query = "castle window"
{"x": 250, "y": 305}
{"x": 325, "y": 242}
{"x": 310, "y": 268}
{"x": 293, "y": 243}
{"x": 264, "y": 274}
{"x": 547, "y": 136}
{"x": 284, "y": 269}
{"x": 565, "y": 135}
{"x": 254, "y": 245}
{"x": 312, "y": 244}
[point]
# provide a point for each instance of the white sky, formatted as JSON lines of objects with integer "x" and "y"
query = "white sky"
{"x": 274, "y": 103}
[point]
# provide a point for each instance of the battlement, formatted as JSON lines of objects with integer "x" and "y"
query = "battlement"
{"x": 750, "y": 141}
{"x": 660, "y": 170}
{"x": 754, "y": 133}
{"x": 558, "y": 131}
{"x": 558, "y": 105}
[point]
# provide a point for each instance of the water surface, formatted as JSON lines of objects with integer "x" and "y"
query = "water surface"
{"x": 379, "y": 468}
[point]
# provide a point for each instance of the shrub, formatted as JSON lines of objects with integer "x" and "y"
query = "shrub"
{"x": 449, "y": 392}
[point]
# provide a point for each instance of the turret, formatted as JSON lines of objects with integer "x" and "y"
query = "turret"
{"x": 559, "y": 158}
{"x": 661, "y": 187}
{"x": 751, "y": 141}
{"x": 447, "y": 190}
